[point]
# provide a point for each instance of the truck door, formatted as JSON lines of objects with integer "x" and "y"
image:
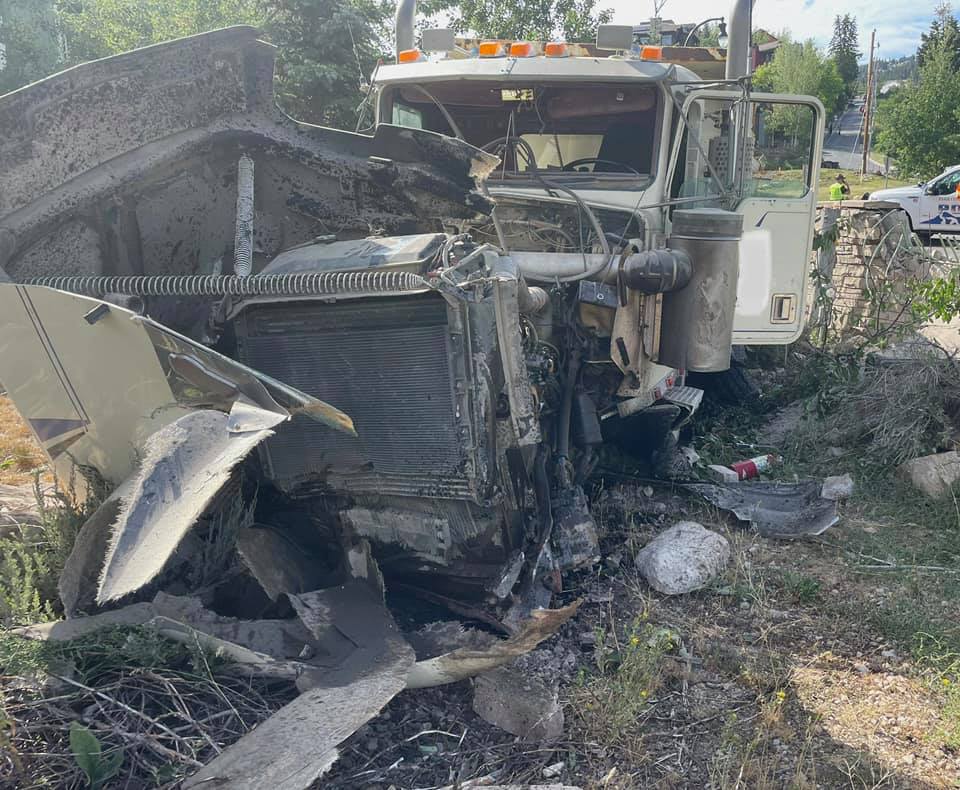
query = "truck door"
{"x": 758, "y": 155}
{"x": 939, "y": 209}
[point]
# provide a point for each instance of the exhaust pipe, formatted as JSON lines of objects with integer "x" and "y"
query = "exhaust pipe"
{"x": 406, "y": 12}
{"x": 739, "y": 44}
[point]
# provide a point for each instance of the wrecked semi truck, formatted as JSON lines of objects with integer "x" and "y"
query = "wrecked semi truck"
{"x": 418, "y": 337}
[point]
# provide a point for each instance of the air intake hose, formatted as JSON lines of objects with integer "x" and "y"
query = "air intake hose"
{"x": 657, "y": 271}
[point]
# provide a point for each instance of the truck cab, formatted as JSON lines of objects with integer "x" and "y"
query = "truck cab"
{"x": 629, "y": 135}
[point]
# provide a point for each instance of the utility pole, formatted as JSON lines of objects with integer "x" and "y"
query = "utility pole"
{"x": 868, "y": 110}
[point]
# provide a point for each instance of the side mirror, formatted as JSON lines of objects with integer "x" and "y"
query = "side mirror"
{"x": 921, "y": 183}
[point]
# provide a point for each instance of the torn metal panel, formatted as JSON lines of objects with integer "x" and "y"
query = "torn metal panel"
{"x": 279, "y": 565}
{"x": 65, "y": 630}
{"x": 249, "y": 661}
{"x": 775, "y": 510}
{"x": 356, "y": 612}
{"x": 95, "y": 392}
{"x": 211, "y": 374}
{"x": 184, "y": 466}
{"x": 297, "y": 745}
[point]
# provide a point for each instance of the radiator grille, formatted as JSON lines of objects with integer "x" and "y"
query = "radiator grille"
{"x": 386, "y": 363}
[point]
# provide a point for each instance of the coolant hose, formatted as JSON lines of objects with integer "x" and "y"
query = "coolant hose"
{"x": 530, "y": 299}
{"x": 660, "y": 270}
{"x": 657, "y": 271}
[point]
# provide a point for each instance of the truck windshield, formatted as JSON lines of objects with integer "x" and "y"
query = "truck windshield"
{"x": 596, "y": 135}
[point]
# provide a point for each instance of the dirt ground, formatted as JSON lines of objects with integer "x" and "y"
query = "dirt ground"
{"x": 829, "y": 662}
{"x": 779, "y": 675}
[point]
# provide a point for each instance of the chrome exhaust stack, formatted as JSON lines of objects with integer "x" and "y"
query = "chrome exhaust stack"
{"x": 406, "y": 13}
{"x": 740, "y": 32}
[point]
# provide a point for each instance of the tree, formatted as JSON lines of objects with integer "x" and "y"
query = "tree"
{"x": 843, "y": 50}
{"x": 29, "y": 48}
{"x": 945, "y": 31}
{"x": 541, "y": 20}
{"x": 97, "y": 28}
{"x": 919, "y": 125}
{"x": 800, "y": 68}
{"x": 328, "y": 49}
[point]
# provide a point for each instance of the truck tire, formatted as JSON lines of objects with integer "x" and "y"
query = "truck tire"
{"x": 732, "y": 387}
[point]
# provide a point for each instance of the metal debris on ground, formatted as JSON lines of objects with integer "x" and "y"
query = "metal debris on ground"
{"x": 775, "y": 509}
{"x": 343, "y": 651}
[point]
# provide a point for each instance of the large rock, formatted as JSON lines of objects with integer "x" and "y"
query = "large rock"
{"x": 838, "y": 487}
{"x": 934, "y": 475}
{"x": 684, "y": 558}
{"x": 519, "y": 703}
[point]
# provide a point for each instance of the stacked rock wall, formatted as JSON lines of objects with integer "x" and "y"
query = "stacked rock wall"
{"x": 864, "y": 270}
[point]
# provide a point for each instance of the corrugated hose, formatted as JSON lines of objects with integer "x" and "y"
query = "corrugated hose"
{"x": 299, "y": 284}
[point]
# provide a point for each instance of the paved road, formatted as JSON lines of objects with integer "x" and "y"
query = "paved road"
{"x": 845, "y": 145}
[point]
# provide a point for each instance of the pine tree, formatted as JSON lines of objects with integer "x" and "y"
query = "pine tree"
{"x": 843, "y": 50}
{"x": 944, "y": 29}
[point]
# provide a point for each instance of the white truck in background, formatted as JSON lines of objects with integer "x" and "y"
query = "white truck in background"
{"x": 933, "y": 206}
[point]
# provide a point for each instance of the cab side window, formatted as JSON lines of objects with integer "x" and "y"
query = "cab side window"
{"x": 946, "y": 185}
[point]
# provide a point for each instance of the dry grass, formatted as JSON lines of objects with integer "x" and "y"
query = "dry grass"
{"x": 893, "y": 411}
{"x": 20, "y": 457}
{"x": 164, "y": 707}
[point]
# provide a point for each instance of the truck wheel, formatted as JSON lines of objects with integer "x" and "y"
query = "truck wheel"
{"x": 732, "y": 387}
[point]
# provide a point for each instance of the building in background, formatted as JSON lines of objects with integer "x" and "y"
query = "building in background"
{"x": 765, "y": 46}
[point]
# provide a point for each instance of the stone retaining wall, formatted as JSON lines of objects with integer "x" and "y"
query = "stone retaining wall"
{"x": 867, "y": 270}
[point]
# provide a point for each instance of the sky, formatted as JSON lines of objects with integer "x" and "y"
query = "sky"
{"x": 898, "y": 23}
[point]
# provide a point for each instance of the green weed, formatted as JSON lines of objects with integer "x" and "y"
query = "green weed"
{"x": 802, "y": 589}
{"x": 611, "y": 700}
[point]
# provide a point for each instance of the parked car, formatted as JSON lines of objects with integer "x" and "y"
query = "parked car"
{"x": 934, "y": 206}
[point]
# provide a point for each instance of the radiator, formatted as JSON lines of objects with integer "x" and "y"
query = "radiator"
{"x": 404, "y": 368}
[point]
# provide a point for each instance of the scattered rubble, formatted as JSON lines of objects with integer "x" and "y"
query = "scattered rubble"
{"x": 837, "y": 487}
{"x": 934, "y": 475}
{"x": 685, "y": 558}
{"x": 722, "y": 474}
{"x": 519, "y": 703}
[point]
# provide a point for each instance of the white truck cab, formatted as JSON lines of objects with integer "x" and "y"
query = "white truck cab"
{"x": 631, "y": 134}
{"x": 934, "y": 206}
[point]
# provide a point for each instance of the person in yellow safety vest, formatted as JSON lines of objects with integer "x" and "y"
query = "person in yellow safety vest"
{"x": 839, "y": 189}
